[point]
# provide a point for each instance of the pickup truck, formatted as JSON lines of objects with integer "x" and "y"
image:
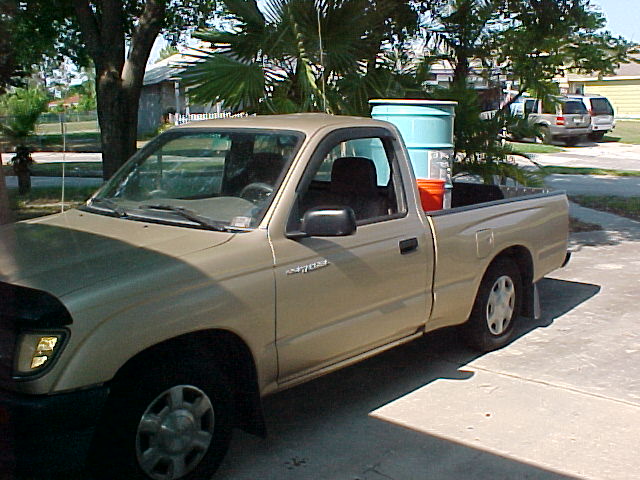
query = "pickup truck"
{"x": 231, "y": 259}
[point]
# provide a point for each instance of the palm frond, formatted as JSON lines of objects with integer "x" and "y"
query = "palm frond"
{"x": 218, "y": 77}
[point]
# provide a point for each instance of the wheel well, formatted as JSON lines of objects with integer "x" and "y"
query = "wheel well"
{"x": 521, "y": 256}
{"x": 228, "y": 353}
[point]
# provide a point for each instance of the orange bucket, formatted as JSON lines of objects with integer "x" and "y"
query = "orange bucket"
{"x": 431, "y": 193}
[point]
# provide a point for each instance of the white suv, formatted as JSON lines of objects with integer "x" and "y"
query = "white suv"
{"x": 602, "y": 115}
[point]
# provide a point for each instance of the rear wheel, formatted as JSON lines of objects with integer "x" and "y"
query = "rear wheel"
{"x": 571, "y": 141}
{"x": 596, "y": 136}
{"x": 173, "y": 423}
{"x": 545, "y": 134}
{"x": 496, "y": 307}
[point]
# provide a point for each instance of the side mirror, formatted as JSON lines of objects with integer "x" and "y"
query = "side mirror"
{"x": 329, "y": 222}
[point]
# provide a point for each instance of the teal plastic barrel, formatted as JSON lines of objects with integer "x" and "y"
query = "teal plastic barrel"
{"x": 425, "y": 125}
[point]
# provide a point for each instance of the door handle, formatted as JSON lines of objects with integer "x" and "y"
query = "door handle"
{"x": 408, "y": 245}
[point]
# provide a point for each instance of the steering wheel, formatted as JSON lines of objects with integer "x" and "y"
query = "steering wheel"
{"x": 157, "y": 193}
{"x": 256, "y": 192}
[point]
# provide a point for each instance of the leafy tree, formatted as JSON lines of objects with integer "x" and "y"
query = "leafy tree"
{"x": 21, "y": 109}
{"x": 118, "y": 35}
{"x": 529, "y": 42}
{"x": 301, "y": 55}
{"x": 167, "y": 52}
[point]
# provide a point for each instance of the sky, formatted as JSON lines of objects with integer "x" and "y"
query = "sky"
{"x": 622, "y": 17}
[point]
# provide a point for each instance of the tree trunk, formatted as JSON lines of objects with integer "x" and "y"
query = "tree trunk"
{"x": 118, "y": 118}
{"x": 5, "y": 211}
{"x": 119, "y": 72}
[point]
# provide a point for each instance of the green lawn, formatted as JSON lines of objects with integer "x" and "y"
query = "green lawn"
{"x": 626, "y": 131}
{"x": 46, "y": 200}
{"x": 625, "y": 206}
{"x": 588, "y": 171}
{"x": 525, "y": 147}
{"x": 70, "y": 128}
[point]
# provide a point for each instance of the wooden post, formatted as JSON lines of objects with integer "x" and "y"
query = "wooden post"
{"x": 5, "y": 211}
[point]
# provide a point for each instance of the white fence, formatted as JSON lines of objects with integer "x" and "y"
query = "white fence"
{"x": 179, "y": 119}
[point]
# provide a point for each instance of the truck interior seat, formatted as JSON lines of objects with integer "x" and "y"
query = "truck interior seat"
{"x": 354, "y": 184}
{"x": 265, "y": 167}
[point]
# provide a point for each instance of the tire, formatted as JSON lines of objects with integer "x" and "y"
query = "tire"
{"x": 496, "y": 307}
{"x": 545, "y": 134}
{"x": 173, "y": 423}
{"x": 596, "y": 136}
{"x": 571, "y": 141}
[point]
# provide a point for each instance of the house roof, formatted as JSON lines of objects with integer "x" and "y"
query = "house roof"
{"x": 630, "y": 69}
{"x": 165, "y": 70}
{"x": 626, "y": 71}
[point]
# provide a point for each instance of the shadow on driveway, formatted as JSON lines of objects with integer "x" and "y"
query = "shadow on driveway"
{"x": 323, "y": 430}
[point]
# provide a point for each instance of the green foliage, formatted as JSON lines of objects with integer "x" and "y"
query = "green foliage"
{"x": 167, "y": 52}
{"x": 301, "y": 55}
{"x": 528, "y": 42}
{"x": 21, "y": 108}
{"x": 625, "y": 206}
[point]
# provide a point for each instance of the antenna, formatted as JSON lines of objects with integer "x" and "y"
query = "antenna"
{"x": 64, "y": 154}
{"x": 324, "y": 92}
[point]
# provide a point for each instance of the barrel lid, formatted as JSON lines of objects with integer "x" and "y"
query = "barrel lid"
{"x": 409, "y": 101}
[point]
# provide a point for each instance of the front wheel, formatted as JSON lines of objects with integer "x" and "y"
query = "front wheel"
{"x": 167, "y": 424}
{"x": 496, "y": 307}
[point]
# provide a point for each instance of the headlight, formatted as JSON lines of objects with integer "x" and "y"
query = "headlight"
{"x": 36, "y": 351}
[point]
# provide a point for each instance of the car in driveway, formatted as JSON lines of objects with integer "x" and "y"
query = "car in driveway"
{"x": 601, "y": 112}
{"x": 560, "y": 118}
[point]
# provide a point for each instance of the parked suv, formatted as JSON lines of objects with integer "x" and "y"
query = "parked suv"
{"x": 602, "y": 114}
{"x": 564, "y": 118}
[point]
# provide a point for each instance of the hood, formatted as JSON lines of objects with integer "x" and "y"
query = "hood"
{"x": 64, "y": 253}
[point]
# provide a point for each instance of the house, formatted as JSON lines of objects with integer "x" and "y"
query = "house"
{"x": 68, "y": 102}
{"x": 622, "y": 89}
{"x": 163, "y": 94}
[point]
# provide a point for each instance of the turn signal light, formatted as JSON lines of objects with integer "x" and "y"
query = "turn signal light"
{"x": 37, "y": 350}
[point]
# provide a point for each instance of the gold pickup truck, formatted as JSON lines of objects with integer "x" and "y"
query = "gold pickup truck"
{"x": 231, "y": 259}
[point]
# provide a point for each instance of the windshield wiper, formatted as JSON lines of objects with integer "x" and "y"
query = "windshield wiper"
{"x": 188, "y": 215}
{"x": 110, "y": 205}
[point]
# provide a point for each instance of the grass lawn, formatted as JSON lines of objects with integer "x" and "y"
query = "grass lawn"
{"x": 46, "y": 200}
{"x": 550, "y": 170}
{"x": 626, "y": 131}
{"x": 624, "y": 206}
{"x": 525, "y": 147}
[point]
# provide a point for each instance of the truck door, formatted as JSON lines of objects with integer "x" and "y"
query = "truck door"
{"x": 338, "y": 297}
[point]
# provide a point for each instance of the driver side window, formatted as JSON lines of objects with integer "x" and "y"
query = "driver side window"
{"x": 357, "y": 173}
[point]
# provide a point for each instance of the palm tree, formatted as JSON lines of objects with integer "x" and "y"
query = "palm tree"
{"x": 301, "y": 55}
{"x": 22, "y": 108}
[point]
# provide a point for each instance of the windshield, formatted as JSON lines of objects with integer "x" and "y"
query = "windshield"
{"x": 201, "y": 178}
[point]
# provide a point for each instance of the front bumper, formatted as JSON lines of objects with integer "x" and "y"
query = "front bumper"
{"x": 47, "y": 433}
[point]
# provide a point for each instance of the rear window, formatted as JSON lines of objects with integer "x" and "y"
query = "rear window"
{"x": 574, "y": 107}
{"x": 601, "y": 106}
